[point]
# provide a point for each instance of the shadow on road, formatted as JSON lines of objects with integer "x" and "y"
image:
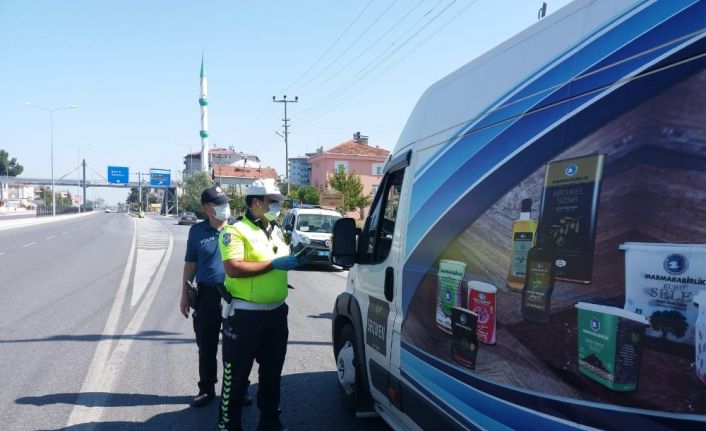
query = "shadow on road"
{"x": 328, "y": 316}
{"x": 310, "y": 401}
{"x": 99, "y": 399}
{"x": 165, "y": 337}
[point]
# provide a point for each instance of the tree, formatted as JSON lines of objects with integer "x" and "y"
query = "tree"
{"x": 309, "y": 195}
{"x": 9, "y": 167}
{"x": 194, "y": 185}
{"x": 670, "y": 321}
{"x": 352, "y": 189}
{"x": 236, "y": 201}
{"x": 134, "y": 196}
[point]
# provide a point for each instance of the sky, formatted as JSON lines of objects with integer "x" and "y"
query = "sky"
{"x": 132, "y": 68}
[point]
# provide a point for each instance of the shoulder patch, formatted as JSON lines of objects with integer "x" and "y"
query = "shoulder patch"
{"x": 226, "y": 238}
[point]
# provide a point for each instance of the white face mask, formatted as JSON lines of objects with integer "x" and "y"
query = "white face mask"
{"x": 222, "y": 211}
{"x": 273, "y": 212}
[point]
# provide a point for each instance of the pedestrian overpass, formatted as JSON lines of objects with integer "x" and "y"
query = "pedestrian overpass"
{"x": 170, "y": 205}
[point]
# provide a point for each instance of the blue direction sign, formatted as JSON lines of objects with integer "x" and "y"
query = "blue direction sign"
{"x": 118, "y": 174}
{"x": 160, "y": 177}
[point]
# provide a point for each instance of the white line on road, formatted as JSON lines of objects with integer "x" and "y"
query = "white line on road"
{"x": 106, "y": 364}
{"x": 29, "y": 244}
{"x": 64, "y": 232}
{"x": 50, "y": 237}
{"x": 1, "y": 253}
{"x": 80, "y": 412}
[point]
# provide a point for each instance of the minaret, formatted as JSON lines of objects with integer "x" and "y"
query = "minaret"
{"x": 204, "y": 118}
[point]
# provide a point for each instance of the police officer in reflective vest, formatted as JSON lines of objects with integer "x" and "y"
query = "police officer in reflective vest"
{"x": 256, "y": 261}
{"x": 203, "y": 264}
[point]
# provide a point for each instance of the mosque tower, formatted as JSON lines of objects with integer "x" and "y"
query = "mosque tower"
{"x": 203, "y": 102}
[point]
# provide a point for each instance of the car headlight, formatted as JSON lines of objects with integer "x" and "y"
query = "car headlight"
{"x": 304, "y": 239}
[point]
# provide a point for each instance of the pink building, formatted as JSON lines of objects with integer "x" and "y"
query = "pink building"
{"x": 353, "y": 156}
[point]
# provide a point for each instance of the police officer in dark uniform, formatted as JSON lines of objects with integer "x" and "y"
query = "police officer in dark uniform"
{"x": 203, "y": 265}
{"x": 256, "y": 258}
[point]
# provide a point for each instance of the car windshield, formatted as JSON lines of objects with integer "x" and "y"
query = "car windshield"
{"x": 321, "y": 223}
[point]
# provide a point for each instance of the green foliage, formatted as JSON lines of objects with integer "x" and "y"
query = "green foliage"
{"x": 194, "y": 185}
{"x": 309, "y": 195}
{"x": 237, "y": 201}
{"x": 305, "y": 194}
{"x": 352, "y": 189}
{"x": 60, "y": 202}
{"x": 9, "y": 167}
{"x": 134, "y": 197}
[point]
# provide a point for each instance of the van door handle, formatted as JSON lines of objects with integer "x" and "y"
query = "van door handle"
{"x": 389, "y": 284}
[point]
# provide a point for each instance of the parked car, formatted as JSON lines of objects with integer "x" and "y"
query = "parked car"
{"x": 310, "y": 227}
{"x": 188, "y": 218}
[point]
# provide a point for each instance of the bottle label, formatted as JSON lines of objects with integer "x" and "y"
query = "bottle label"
{"x": 538, "y": 282}
{"x": 521, "y": 244}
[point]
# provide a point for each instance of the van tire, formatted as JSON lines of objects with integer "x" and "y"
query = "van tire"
{"x": 351, "y": 393}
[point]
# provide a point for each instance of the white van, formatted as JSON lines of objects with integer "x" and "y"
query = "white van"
{"x": 310, "y": 226}
{"x": 489, "y": 288}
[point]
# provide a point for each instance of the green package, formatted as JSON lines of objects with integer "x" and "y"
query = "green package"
{"x": 610, "y": 345}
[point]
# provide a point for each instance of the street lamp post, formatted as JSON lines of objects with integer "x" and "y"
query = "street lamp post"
{"x": 51, "y": 143}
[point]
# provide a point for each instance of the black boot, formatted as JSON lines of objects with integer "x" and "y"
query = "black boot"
{"x": 271, "y": 422}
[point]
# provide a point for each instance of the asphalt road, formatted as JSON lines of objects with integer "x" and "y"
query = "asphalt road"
{"x": 91, "y": 337}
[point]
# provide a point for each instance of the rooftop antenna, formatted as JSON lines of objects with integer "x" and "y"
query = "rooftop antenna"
{"x": 542, "y": 12}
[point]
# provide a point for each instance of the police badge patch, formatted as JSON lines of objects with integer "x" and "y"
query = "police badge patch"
{"x": 226, "y": 238}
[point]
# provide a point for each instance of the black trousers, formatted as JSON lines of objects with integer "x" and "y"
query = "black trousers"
{"x": 251, "y": 335}
{"x": 207, "y": 327}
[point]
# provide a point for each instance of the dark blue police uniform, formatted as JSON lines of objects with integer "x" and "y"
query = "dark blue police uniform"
{"x": 202, "y": 249}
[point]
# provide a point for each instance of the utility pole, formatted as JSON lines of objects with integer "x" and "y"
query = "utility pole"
{"x": 139, "y": 188}
{"x": 84, "y": 185}
{"x": 286, "y": 133}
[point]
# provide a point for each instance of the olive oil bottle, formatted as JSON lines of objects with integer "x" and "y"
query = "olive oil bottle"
{"x": 536, "y": 295}
{"x": 523, "y": 238}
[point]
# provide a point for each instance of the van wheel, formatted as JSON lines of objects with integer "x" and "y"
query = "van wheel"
{"x": 349, "y": 377}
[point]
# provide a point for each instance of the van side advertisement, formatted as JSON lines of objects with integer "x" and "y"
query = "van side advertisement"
{"x": 584, "y": 279}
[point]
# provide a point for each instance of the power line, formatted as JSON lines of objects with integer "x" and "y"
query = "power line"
{"x": 377, "y": 62}
{"x": 368, "y": 48}
{"x": 318, "y": 60}
{"x": 303, "y": 87}
{"x": 265, "y": 131}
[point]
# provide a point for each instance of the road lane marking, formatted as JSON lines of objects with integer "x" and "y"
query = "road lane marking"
{"x": 50, "y": 237}
{"x": 64, "y": 232}
{"x": 29, "y": 244}
{"x": 107, "y": 364}
{"x": 100, "y": 357}
{"x": 1, "y": 253}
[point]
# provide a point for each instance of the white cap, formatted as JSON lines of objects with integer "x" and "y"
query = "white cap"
{"x": 265, "y": 187}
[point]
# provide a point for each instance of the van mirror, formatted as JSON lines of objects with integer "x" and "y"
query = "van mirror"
{"x": 343, "y": 242}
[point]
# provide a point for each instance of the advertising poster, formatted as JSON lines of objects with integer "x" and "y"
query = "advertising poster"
{"x": 590, "y": 266}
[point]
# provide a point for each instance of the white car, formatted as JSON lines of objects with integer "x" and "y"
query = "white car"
{"x": 311, "y": 226}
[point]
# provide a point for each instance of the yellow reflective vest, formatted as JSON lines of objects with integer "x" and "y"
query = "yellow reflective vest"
{"x": 247, "y": 241}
